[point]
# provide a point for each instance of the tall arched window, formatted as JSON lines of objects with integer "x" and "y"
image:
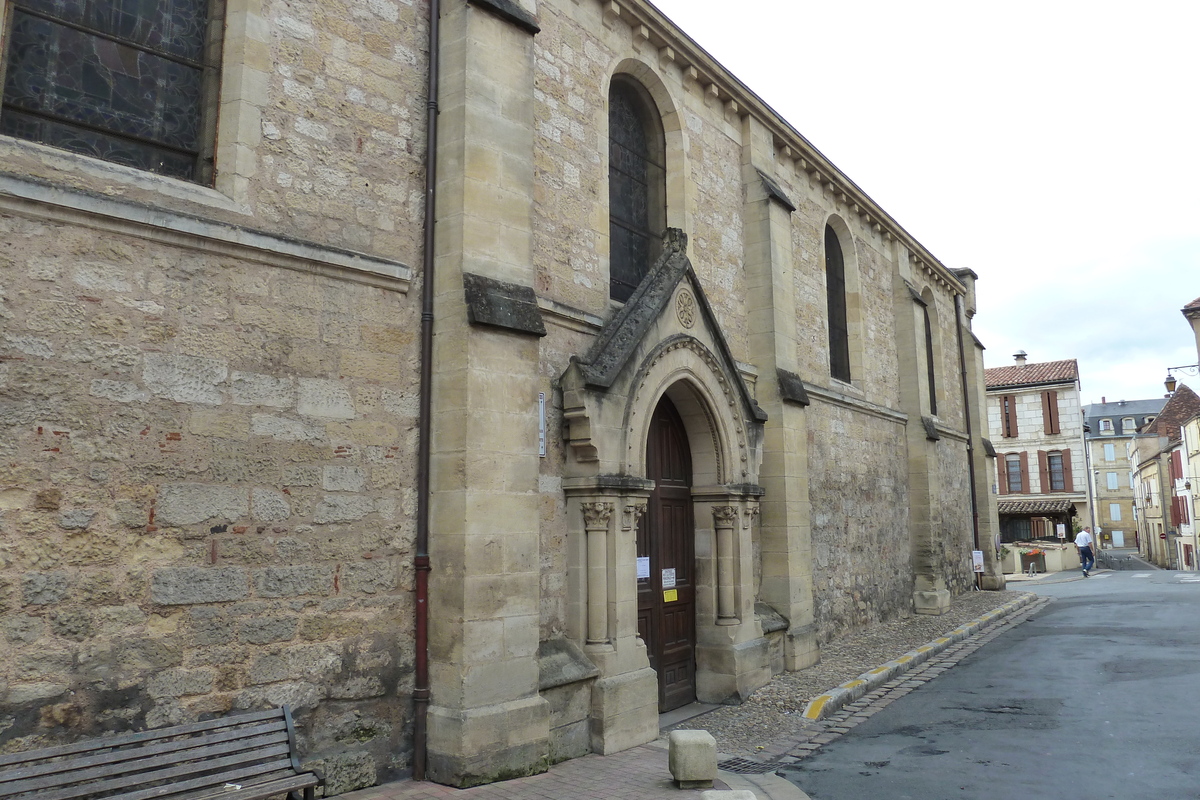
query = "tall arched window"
{"x": 637, "y": 205}
{"x": 930, "y": 359}
{"x": 835, "y": 292}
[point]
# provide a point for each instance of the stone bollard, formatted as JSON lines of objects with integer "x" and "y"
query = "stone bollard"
{"x": 693, "y": 759}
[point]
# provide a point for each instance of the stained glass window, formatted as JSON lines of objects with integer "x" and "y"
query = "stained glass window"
{"x": 636, "y": 190}
{"x": 130, "y": 81}
{"x": 835, "y": 295}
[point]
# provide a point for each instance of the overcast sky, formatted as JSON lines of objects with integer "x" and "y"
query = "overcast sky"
{"x": 1051, "y": 146}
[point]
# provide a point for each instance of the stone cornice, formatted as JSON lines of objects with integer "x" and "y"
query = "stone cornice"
{"x": 854, "y": 404}
{"x": 651, "y": 26}
{"x": 42, "y": 201}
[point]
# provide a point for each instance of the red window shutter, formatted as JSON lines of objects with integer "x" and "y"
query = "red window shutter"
{"x": 1184, "y": 516}
{"x": 1043, "y": 472}
{"x": 1068, "y": 481}
{"x": 1002, "y": 472}
{"x": 1176, "y": 465}
{"x": 1025, "y": 473}
{"x": 1175, "y": 511}
{"x": 1050, "y": 412}
{"x": 1007, "y": 412}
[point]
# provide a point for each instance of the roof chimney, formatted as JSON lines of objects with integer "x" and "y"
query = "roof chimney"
{"x": 1103, "y": 400}
{"x": 1020, "y": 357}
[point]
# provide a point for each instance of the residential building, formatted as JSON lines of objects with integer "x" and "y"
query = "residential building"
{"x": 1157, "y": 454}
{"x": 1036, "y": 423}
{"x": 478, "y": 421}
{"x": 1109, "y": 427}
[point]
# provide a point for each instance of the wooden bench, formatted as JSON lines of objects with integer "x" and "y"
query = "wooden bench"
{"x": 244, "y": 757}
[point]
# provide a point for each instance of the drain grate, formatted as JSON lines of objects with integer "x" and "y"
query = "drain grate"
{"x": 747, "y": 766}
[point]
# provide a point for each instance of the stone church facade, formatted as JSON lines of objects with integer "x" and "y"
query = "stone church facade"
{"x": 695, "y": 403}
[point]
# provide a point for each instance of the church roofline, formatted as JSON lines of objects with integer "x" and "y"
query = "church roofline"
{"x": 674, "y": 46}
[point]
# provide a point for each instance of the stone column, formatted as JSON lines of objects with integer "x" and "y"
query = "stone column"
{"x": 487, "y": 720}
{"x": 602, "y": 609}
{"x": 596, "y": 517}
{"x": 726, "y": 519}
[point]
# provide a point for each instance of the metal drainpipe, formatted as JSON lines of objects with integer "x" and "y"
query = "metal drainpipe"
{"x": 962, "y": 363}
{"x": 421, "y": 558}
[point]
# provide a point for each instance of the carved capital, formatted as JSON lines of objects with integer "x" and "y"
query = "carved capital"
{"x": 752, "y": 511}
{"x": 725, "y": 516}
{"x": 596, "y": 515}
{"x": 633, "y": 513}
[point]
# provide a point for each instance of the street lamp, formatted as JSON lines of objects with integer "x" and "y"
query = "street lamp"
{"x": 1170, "y": 383}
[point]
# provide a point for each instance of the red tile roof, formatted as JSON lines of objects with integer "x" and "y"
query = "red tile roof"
{"x": 1192, "y": 306}
{"x": 1034, "y": 506}
{"x": 1183, "y": 405}
{"x": 1032, "y": 374}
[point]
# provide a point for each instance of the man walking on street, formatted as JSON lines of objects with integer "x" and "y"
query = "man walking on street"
{"x": 1084, "y": 542}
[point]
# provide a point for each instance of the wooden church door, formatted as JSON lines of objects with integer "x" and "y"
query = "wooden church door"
{"x": 667, "y": 598}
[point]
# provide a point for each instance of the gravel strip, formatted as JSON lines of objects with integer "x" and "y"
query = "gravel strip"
{"x": 774, "y": 712}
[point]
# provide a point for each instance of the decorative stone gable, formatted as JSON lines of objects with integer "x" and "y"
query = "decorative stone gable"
{"x": 668, "y": 318}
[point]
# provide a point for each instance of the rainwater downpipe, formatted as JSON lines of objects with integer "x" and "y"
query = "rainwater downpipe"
{"x": 421, "y": 558}
{"x": 962, "y": 363}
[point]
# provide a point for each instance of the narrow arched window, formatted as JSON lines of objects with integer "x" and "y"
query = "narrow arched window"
{"x": 930, "y": 374}
{"x": 636, "y": 186}
{"x": 835, "y": 292}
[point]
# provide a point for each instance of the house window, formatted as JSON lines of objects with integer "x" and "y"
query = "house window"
{"x": 129, "y": 82}
{"x": 637, "y": 208}
{"x": 1132, "y": 480}
{"x": 1112, "y": 480}
{"x": 835, "y": 293}
{"x": 1054, "y": 467}
{"x": 1106, "y": 426}
{"x": 1128, "y": 425}
{"x": 1114, "y": 512}
{"x": 1110, "y": 452}
{"x": 1012, "y": 465}
{"x": 1008, "y": 414}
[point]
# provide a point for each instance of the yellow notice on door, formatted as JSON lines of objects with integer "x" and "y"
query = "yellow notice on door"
{"x": 670, "y": 595}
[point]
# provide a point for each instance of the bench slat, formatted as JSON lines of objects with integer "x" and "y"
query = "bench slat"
{"x": 134, "y": 753}
{"x": 139, "y": 737}
{"x": 268, "y": 788}
{"x": 137, "y": 763}
{"x": 212, "y": 766}
{"x": 203, "y": 787}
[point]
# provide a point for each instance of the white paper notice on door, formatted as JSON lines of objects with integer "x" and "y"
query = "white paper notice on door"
{"x": 668, "y": 579}
{"x": 643, "y": 568}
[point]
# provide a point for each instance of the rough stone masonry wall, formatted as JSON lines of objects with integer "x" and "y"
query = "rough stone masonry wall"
{"x": 955, "y": 538}
{"x": 862, "y": 571}
{"x": 206, "y": 490}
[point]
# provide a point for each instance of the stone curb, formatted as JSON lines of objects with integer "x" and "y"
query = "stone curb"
{"x": 835, "y": 699}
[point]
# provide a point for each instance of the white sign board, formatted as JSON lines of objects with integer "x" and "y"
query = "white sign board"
{"x": 977, "y": 560}
{"x": 1060, "y": 530}
{"x": 668, "y": 579}
{"x": 643, "y": 568}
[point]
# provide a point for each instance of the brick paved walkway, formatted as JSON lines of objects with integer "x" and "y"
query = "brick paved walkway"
{"x": 641, "y": 773}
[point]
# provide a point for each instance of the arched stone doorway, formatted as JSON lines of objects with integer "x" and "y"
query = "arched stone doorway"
{"x": 666, "y": 544}
{"x": 661, "y": 483}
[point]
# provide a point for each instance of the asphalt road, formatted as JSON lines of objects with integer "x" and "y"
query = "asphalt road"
{"x": 1096, "y": 696}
